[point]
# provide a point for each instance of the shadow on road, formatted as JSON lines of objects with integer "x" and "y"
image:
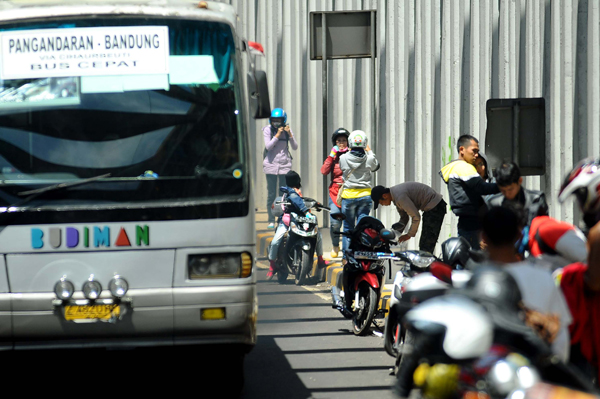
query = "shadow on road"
{"x": 277, "y": 379}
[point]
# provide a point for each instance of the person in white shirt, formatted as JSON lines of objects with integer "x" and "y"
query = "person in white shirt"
{"x": 501, "y": 232}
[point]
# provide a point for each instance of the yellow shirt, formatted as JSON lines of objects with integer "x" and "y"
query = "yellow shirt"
{"x": 352, "y": 193}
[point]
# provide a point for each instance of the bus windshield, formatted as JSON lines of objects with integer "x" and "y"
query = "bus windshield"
{"x": 147, "y": 110}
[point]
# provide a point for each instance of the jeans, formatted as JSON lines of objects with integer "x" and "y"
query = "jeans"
{"x": 353, "y": 208}
{"x": 273, "y": 184}
{"x": 280, "y": 233}
{"x": 335, "y": 225}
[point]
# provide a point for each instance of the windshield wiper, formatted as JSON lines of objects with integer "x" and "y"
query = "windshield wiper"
{"x": 32, "y": 194}
{"x": 59, "y": 186}
{"x": 227, "y": 173}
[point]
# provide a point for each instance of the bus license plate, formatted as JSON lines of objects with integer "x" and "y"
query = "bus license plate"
{"x": 92, "y": 312}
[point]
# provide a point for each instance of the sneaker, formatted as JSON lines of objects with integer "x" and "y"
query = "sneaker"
{"x": 271, "y": 272}
{"x": 335, "y": 252}
{"x": 271, "y": 226}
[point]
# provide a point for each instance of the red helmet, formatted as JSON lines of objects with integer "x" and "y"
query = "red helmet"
{"x": 584, "y": 182}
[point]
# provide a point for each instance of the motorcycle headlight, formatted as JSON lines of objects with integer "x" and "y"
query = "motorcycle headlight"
{"x": 219, "y": 266}
{"x": 421, "y": 261}
{"x": 294, "y": 227}
{"x": 505, "y": 376}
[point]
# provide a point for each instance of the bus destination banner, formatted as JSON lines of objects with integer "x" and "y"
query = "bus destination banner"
{"x": 30, "y": 54}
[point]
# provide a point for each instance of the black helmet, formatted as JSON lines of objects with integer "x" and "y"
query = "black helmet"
{"x": 492, "y": 284}
{"x": 292, "y": 179}
{"x": 340, "y": 132}
{"x": 455, "y": 251}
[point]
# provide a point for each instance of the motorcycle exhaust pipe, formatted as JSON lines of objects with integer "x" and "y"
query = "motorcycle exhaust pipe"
{"x": 336, "y": 296}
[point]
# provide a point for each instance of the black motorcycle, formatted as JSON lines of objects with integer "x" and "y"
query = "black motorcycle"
{"x": 297, "y": 249}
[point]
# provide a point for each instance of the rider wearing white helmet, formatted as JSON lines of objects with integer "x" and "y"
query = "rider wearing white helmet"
{"x": 580, "y": 282}
{"x": 584, "y": 182}
{"x": 357, "y": 166}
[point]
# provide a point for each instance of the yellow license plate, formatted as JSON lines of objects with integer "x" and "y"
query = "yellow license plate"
{"x": 91, "y": 312}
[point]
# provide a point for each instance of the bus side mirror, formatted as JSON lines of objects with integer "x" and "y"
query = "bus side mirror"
{"x": 258, "y": 90}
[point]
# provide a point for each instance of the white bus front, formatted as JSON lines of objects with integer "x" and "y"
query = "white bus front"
{"x": 125, "y": 208}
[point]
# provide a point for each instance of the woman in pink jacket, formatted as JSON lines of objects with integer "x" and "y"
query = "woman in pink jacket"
{"x": 277, "y": 158}
{"x": 332, "y": 165}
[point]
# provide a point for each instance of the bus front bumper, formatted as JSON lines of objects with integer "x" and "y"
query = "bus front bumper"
{"x": 147, "y": 317}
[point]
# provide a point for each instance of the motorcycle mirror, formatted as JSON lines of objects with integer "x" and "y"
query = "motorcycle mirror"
{"x": 441, "y": 271}
{"x": 387, "y": 234}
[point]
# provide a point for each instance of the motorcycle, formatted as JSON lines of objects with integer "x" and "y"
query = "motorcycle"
{"x": 296, "y": 251}
{"x": 364, "y": 272}
{"x": 415, "y": 283}
{"x": 473, "y": 343}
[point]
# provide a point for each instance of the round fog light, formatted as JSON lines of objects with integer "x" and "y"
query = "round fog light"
{"x": 64, "y": 289}
{"x": 118, "y": 286}
{"x": 92, "y": 289}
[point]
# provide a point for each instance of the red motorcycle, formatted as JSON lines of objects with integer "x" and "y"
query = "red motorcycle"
{"x": 364, "y": 272}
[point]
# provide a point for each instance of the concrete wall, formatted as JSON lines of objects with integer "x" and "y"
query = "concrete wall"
{"x": 438, "y": 62}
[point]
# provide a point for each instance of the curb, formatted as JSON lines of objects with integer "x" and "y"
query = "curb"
{"x": 332, "y": 274}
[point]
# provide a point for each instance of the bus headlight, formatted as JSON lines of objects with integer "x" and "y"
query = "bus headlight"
{"x": 64, "y": 289}
{"x": 118, "y": 286}
{"x": 219, "y": 266}
{"x": 92, "y": 288}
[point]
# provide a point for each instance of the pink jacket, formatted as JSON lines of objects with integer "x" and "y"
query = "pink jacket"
{"x": 278, "y": 160}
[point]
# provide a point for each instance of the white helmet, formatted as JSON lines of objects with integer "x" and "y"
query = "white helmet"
{"x": 357, "y": 139}
{"x": 584, "y": 182}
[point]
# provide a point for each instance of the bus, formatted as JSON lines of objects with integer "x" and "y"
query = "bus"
{"x": 126, "y": 210}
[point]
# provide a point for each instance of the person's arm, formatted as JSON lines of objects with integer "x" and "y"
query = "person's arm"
{"x": 291, "y": 137}
{"x": 592, "y": 275}
{"x": 269, "y": 141}
{"x": 329, "y": 163}
{"x": 411, "y": 210}
{"x": 480, "y": 187}
{"x": 401, "y": 225}
{"x": 372, "y": 162}
{"x": 297, "y": 201}
{"x": 328, "y": 166}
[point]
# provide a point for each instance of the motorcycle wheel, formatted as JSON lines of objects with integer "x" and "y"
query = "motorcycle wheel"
{"x": 304, "y": 268}
{"x": 392, "y": 333}
{"x": 361, "y": 322}
{"x": 407, "y": 343}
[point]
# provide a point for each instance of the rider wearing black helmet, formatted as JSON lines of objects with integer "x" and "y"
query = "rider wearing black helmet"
{"x": 339, "y": 139}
